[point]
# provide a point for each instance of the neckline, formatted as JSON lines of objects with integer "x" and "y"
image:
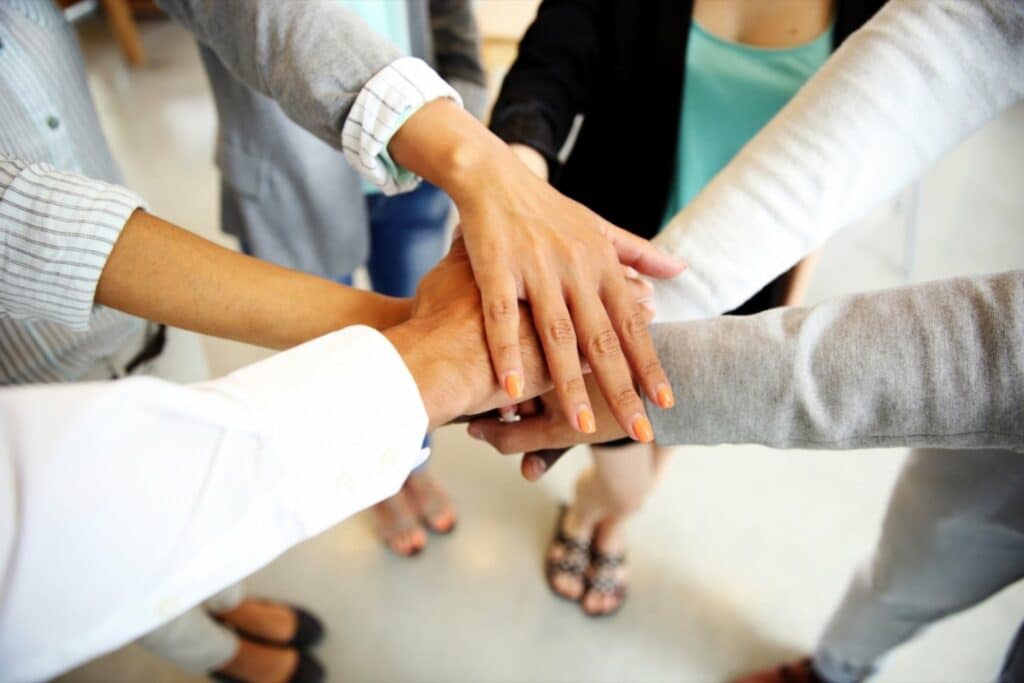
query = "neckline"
{"x": 756, "y": 49}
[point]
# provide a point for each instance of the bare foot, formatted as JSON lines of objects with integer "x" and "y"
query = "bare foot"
{"x": 607, "y": 573}
{"x": 568, "y": 558}
{"x": 255, "y": 663}
{"x": 399, "y": 526}
{"x": 431, "y": 501}
{"x": 270, "y": 621}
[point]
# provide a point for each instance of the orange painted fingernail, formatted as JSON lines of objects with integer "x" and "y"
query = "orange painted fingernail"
{"x": 665, "y": 397}
{"x": 585, "y": 420}
{"x": 514, "y": 385}
{"x": 642, "y": 430}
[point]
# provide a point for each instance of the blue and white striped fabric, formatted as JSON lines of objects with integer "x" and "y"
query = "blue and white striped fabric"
{"x": 59, "y": 219}
{"x": 57, "y": 227}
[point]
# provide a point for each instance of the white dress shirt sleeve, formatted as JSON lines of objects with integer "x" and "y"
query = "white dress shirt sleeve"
{"x": 134, "y": 500}
{"x": 57, "y": 230}
{"x": 914, "y": 81}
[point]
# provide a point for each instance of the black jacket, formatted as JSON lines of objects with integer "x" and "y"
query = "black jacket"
{"x": 608, "y": 60}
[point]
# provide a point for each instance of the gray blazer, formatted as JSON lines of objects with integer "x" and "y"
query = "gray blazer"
{"x": 289, "y": 196}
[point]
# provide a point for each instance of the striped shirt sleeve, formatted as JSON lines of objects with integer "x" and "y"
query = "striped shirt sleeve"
{"x": 387, "y": 100}
{"x": 57, "y": 230}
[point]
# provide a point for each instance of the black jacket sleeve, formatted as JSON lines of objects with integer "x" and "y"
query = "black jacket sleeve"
{"x": 553, "y": 78}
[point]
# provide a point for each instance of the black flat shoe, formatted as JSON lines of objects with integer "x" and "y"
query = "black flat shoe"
{"x": 308, "y": 670}
{"x": 308, "y": 629}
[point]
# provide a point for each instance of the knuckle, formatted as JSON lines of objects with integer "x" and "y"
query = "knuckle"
{"x": 581, "y": 255}
{"x": 634, "y": 325}
{"x": 507, "y": 352}
{"x": 624, "y": 397}
{"x": 605, "y": 344}
{"x": 559, "y": 331}
{"x": 651, "y": 369}
{"x": 507, "y": 444}
{"x": 501, "y": 309}
{"x": 572, "y": 386}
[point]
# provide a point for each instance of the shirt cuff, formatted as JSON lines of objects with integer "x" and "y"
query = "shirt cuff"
{"x": 387, "y": 100}
{"x": 58, "y": 230}
{"x": 343, "y": 417}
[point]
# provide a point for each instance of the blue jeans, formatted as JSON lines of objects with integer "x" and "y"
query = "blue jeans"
{"x": 407, "y": 239}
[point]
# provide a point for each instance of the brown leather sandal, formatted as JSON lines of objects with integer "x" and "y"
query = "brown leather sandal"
{"x": 603, "y": 580}
{"x": 574, "y": 560}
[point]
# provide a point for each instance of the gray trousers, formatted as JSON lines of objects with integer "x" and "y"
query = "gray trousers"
{"x": 195, "y": 641}
{"x": 953, "y": 535}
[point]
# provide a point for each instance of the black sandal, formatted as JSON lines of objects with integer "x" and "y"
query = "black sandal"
{"x": 574, "y": 560}
{"x": 604, "y": 581}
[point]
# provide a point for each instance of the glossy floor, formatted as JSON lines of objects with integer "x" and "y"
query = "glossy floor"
{"x": 739, "y": 556}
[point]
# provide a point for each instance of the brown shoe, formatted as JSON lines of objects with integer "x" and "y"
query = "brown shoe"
{"x": 797, "y": 672}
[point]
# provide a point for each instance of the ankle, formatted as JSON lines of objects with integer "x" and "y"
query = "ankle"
{"x": 576, "y": 525}
{"x": 609, "y": 535}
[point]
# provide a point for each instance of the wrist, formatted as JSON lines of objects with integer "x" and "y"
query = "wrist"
{"x": 391, "y": 311}
{"x": 446, "y": 145}
{"x": 434, "y": 375}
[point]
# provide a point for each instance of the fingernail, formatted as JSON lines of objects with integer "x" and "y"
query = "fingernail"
{"x": 514, "y": 384}
{"x": 585, "y": 421}
{"x": 631, "y": 272}
{"x": 475, "y": 432}
{"x": 642, "y": 430}
{"x": 649, "y": 305}
{"x": 665, "y": 397}
{"x": 535, "y": 469}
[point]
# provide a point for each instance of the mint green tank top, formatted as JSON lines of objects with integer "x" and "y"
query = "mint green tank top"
{"x": 731, "y": 91}
{"x": 389, "y": 18}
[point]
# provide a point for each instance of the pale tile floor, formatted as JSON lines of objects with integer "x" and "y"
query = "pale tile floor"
{"x": 738, "y": 558}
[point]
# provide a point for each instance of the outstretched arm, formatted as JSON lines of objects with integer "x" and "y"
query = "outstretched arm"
{"x": 395, "y": 120}
{"x": 939, "y": 364}
{"x": 912, "y": 83}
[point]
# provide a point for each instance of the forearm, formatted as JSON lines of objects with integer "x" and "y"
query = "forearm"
{"x": 940, "y": 364}
{"x": 312, "y": 57}
{"x": 163, "y": 273}
{"x": 917, "y": 79}
{"x": 174, "y": 492}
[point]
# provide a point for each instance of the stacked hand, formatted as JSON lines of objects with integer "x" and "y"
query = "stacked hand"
{"x": 525, "y": 241}
{"x": 444, "y": 346}
{"x": 542, "y": 434}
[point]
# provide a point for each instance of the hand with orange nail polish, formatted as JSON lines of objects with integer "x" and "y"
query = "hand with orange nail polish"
{"x": 543, "y": 430}
{"x": 445, "y": 348}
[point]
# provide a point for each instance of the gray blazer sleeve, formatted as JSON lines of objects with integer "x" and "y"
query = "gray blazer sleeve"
{"x": 939, "y": 364}
{"x": 312, "y": 57}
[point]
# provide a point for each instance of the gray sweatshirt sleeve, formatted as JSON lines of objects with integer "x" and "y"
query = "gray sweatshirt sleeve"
{"x": 312, "y": 57}
{"x": 939, "y": 364}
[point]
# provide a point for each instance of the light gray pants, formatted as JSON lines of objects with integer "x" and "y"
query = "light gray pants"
{"x": 195, "y": 641}
{"x": 953, "y": 535}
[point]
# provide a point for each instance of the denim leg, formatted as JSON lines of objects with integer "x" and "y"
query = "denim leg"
{"x": 407, "y": 238}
